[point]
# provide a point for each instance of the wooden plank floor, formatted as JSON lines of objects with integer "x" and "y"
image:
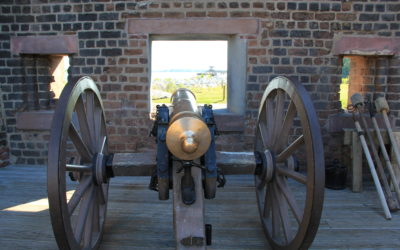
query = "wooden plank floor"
{"x": 138, "y": 220}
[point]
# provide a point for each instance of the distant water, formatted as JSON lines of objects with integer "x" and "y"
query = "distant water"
{"x": 177, "y": 75}
{"x": 173, "y": 75}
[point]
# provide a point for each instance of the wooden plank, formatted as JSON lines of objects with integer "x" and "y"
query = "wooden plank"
{"x": 189, "y": 219}
{"x": 236, "y": 162}
{"x": 143, "y": 164}
{"x": 356, "y": 163}
{"x": 136, "y": 219}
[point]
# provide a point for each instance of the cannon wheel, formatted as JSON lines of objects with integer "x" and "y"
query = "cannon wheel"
{"x": 290, "y": 181}
{"x": 76, "y": 176}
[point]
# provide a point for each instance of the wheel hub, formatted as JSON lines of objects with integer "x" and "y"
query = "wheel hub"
{"x": 266, "y": 168}
{"x": 99, "y": 175}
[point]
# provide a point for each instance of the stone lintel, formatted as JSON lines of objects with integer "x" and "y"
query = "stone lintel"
{"x": 193, "y": 26}
{"x": 367, "y": 46}
{"x": 44, "y": 45}
{"x": 34, "y": 120}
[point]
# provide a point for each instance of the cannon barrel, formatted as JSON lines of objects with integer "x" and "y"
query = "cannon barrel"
{"x": 188, "y": 136}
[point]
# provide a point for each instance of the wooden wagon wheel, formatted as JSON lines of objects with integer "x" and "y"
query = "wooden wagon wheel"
{"x": 76, "y": 176}
{"x": 290, "y": 180}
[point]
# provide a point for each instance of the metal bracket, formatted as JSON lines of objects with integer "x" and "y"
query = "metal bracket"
{"x": 159, "y": 131}
{"x": 210, "y": 158}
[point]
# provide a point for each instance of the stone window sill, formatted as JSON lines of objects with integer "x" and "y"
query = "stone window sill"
{"x": 34, "y": 120}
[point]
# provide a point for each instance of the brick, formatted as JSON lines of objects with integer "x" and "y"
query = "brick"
{"x": 89, "y": 52}
{"x": 257, "y": 52}
{"x": 393, "y": 7}
{"x": 306, "y": 70}
{"x": 279, "y": 52}
{"x": 108, "y": 16}
{"x": 46, "y": 18}
{"x": 298, "y": 52}
{"x": 175, "y": 14}
{"x": 325, "y": 16}
{"x": 110, "y": 34}
{"x": 300, "y": 33}
{"x": 369, "y": 17}
{"x": 322, "y": 35}
{"x": 314, "y": 6}
{"x": 87, "y": 17}
{"x": 279, "y": 33}
{"x": 280, "y": 15}
{"x": 88, "y": 35}
{"x": 24, "y": 19}
{"x": 66, "y": 18}
{"x": 283, "y": 69}
{"x": 111, "y": 52}
{"x": 346, "y": 16}
{"x": 302, "y": 6}
{"x": 388, "y": 17}
{"x": 134, "y": 70}
{"x": 303, "y": 16}
{"x": 262, "y": 69}
{"x": 132, "y": 52}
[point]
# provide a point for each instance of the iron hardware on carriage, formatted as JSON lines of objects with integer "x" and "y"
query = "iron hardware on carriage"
{"x": 287, "y": 164}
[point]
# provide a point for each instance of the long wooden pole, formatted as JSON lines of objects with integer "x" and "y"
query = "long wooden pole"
{"x": 373, "y": 171}
{"x": 386, "y": 157}
{"x": 393, "y": 205}
{"x": 383, "y": 107}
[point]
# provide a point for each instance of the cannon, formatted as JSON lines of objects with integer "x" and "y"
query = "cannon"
{"x": 287, "y": 164}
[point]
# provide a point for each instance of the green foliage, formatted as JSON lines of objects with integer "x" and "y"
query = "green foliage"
{"x": 346, "y": 67}
{"x": 208, "y": 88}
{"x": 344, "y": 93}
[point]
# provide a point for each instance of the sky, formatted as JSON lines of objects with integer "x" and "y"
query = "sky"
{"x": 168, "y": 55}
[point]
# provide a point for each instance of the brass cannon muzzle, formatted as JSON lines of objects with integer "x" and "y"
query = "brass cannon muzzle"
{"x": 188, "y": 137}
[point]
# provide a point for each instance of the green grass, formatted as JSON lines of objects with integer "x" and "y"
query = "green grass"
{"x": 209, "y": 95}
{"x": 344, "y": 92}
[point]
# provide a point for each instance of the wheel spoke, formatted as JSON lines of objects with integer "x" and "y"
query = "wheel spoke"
{"x": 260, "y": 184}
{"x": 79, "y": 192}
{"x": 79, "y": 168}
{"x": 292, "y": 174}
{"x": 290, "y": 149}
{"x": 90, "y": 116}
{"x": 98, "y": 124}
{"x": 285, "y": 128}
{"x": 83, "y": 123}
{"x": 283, "y": 215}
{"x": 87, "y": 235}
{"x": 270, "y": 122}
{"x": 275, "y": 213}
{"x": 79, "y": 144}
{"x": 280, "y": 101}
{"x": 264, "y": 134}
{"x": 287, "y": 193}
{"x": 96, "y": 214}
{"x": 267, "y": 203}
{"x": 83, "y": 214}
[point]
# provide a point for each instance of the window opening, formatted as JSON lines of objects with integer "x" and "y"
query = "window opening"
{"x": 59, "y": 70}
{"x": 200, "y": 66}
{"x": 344, "y": 86}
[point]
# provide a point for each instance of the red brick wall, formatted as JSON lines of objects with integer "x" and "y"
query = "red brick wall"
{"x": 295, "y": 39}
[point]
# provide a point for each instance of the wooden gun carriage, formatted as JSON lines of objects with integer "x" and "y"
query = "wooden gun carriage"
{"x": 287, "y": 164}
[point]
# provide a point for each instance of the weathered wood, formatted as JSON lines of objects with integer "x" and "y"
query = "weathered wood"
{"x": 373, "y": 172}
{"x": 143, "y": 164}
{"x": 351, "y": 138}
{"x": 134, "y": 164}
{"x": 236, "y": 162}
{"x": 357, "y": 163}
{"x": 136, "y": 219}
{"x": 188, "y": 219}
